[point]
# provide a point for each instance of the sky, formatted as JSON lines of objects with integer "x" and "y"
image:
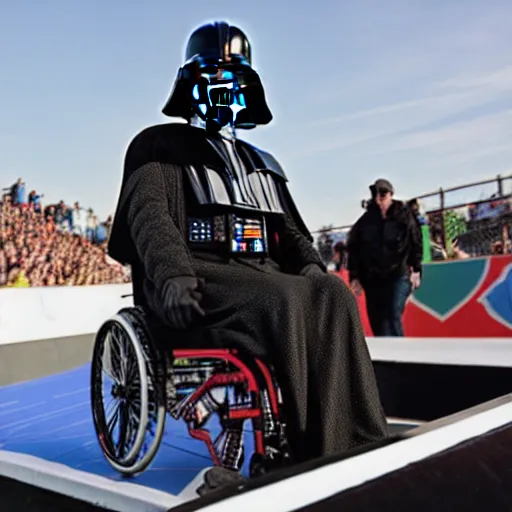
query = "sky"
{"x": 418, "y": 92}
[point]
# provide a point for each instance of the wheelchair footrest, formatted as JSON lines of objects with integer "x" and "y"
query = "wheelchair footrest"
{"x": 204, "y": 435}
{"x": 228, "y": 449}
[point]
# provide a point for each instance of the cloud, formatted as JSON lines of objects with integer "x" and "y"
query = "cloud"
{"x": 387, "y": 122}
{"x": 461, "y": 135}
{"x": 441, "y": 100}
{"x": 471, "y": 91}
{"x": 471, "y": 155}
{"x": 391, "y": 108}
{"x": 500, "y": 80}
{"x": 336, "y": 142}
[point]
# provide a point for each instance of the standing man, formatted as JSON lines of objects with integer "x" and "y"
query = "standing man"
{"x": 385, "y": 253}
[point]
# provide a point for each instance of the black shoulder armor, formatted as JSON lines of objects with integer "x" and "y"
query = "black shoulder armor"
{"x": 264, "y": 161}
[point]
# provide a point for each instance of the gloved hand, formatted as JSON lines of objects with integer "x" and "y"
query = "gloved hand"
{"x": 181, "y": 297}
{"x": 311, "y": 270}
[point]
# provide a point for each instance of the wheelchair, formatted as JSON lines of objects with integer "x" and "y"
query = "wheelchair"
{"x": 193, "y": 385}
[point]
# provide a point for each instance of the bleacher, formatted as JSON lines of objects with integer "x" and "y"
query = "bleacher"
{"x": 52, "y": 245}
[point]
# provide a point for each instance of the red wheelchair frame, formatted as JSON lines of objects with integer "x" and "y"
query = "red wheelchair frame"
{"x": 256, "y": 412}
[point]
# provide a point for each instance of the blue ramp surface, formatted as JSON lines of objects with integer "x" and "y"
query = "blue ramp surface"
{"x": 51, "y": 418}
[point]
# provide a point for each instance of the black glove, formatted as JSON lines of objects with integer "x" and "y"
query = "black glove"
{"x": 180, "y": 301}
{"x": 312, "y": 270}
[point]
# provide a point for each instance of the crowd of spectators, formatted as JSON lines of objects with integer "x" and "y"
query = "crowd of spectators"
{"x": 52, "y": 245}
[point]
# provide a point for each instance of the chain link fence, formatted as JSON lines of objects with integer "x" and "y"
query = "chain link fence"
{"x": 467, "y": 221}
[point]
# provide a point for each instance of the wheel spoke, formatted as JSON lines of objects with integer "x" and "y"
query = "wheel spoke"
{"x": 112, "y": 422}
{"x": 123, "y": 427}
{"x": 113, "y": 402}
{"x": 118, "y": 340}
{"x": 108, "y": 365}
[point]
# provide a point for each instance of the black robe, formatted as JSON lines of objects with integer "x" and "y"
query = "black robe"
{"x": 307, "y": 326}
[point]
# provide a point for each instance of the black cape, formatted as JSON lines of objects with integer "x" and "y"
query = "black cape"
{"x": 307, "y": 326}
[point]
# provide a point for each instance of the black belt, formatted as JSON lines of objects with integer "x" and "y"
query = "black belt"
{"x": 231, "y": 234}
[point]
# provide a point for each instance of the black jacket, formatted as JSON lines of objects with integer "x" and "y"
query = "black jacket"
{"x": 387, "y": 248}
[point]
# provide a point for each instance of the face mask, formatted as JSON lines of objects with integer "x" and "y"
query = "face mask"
{"x": 218, "y": 98}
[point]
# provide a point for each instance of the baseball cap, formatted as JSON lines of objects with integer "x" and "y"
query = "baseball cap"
{"x": 382, "y": 185}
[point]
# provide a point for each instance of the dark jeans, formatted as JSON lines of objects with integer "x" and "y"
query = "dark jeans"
{"x": 385, "y": 304}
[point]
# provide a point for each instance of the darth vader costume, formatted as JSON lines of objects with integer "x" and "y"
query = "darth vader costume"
{"x": 217, "y": 245}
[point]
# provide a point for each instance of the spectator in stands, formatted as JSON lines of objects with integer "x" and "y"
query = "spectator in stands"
{"x": 58, "y": 212}
{"x": 340, "y": 253}
{"x": 91, "y": 225}
{"x": 414, "y": 205}
{"x": 17, "y": 279}
{"x": 497, "y": 248}
{"x": 457, "y": 252}
{"x": 78, "y": 220}
{"x": 66, "y": 223}
{"x": 102, "y": 231}
{"x": 34, "y": 201}
{"x": 324, "y": 245}
{"x": 3, "y": 268}
{"x": 384, "y": 258}
{"x": 507, "y": 242}
{"x": 18, "y": 192}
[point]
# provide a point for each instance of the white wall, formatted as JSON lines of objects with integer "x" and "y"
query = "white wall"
{"x": 28, "y": 314}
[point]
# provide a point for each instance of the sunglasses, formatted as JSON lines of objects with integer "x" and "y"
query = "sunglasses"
{"x": 382, "y": 192}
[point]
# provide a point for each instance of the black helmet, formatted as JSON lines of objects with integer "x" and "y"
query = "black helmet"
{"x": 210, "y": 47}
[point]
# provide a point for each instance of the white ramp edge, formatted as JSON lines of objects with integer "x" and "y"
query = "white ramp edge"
{"x": 494, "y": 352}
{"x": 319, "y": 484}
{"x": 94, "y": 489}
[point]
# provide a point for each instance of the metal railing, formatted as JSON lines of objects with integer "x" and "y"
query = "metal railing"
{"x": 451, "y": 215}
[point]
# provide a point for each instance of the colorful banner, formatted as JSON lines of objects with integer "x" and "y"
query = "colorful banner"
{"x": 460, "y": 298}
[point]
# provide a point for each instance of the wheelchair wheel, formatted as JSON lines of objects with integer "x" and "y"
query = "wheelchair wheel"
{"x": 129, "y": 413}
